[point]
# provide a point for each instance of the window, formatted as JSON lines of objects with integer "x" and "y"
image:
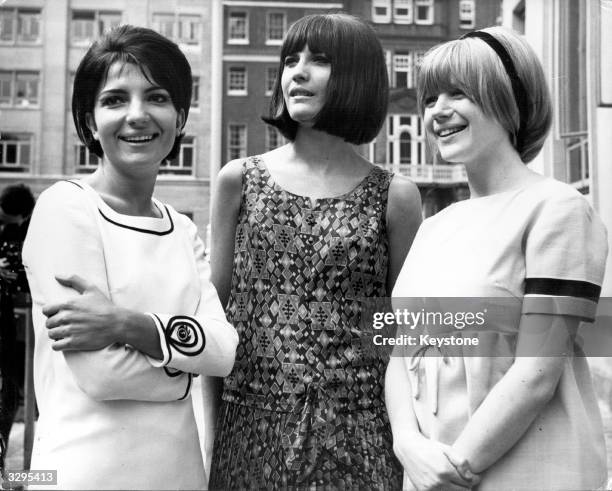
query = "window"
{"x": 274, "y": 139}
{"x": 270, "y": 79}
{"x": 467, "y": 14}
{"x": 85, "y": 161}
{"x": 19, "y": 89}
{"x": 402, "y": 11}
{"x": 237, "y": 80}
{"x": 189, "y": 29}
{"x": 406, "y": 140}
{"x": 195, "y": 92}
{"x": 164, "y": 24}
{"x": 405, "y": 69}
{"x": 275, "y": 27}
{"x": 236, "y": 141}
{"x": 15, "y": 152}
{"x": 572, "y": 90}
{"x": 402, "y": 71}
{"x": 21, "y": 25}
{"x": 238, "y": 28}
{"x": 86, "y": 25}
{"x": 381, "y": 11}
{"x": 183, "y": 29}
{"x": 183, "y": 163}
{"x": 424, "y": 11}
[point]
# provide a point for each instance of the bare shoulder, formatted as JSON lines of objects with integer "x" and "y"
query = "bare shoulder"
{"x": 404, "y": 196}
{"x": 230, "y": 174}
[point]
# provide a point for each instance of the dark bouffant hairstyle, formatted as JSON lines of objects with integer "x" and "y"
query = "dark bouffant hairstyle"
{"x": 160, "y": 60}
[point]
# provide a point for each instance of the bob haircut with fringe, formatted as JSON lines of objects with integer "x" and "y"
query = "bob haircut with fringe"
{"x": 471, "y": 65}
{"x": 159, "y": 59}
{"x": 357, "y": 92}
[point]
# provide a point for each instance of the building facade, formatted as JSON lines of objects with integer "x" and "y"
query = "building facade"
{"x": 41, "y": 44}
{"x": 574, "y": 42}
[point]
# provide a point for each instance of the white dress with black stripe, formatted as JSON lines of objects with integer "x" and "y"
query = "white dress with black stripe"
{"x": 543, "y": 249}
{"x": 114, "y": 418}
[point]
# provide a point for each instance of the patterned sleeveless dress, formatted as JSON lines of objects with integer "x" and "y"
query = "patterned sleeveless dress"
{"x": 303, "y": 407}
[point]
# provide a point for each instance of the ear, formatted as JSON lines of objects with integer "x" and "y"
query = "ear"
{"x": 91, "y": 124}
{"x": 180, "y": 120}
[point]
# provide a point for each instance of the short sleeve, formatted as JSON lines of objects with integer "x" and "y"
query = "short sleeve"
{"x": 565, "y": 254}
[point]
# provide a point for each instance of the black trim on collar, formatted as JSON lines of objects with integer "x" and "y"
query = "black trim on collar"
{"x": 143, "y": 230}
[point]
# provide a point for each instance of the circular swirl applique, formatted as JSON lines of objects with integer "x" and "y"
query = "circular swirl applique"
{"x": 185, "y": 335}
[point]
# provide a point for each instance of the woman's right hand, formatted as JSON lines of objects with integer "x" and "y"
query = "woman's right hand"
{"x": 432, "y": 465}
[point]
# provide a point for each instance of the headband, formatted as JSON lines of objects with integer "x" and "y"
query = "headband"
{"x": 520, "y": 94}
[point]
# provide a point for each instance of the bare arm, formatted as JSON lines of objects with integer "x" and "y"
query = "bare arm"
{"x": 404, "y": 216}
{"x": 225, "y": 209}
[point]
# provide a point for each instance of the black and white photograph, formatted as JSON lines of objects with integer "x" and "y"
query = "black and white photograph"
{"x": 306, "y": 245}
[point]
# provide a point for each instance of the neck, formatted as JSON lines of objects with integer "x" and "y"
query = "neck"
{"x": 500, "y": 172}
{"x": 323, "y": 151}
{"x": 126, "y": 194}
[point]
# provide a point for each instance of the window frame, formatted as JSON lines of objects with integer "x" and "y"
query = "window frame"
{"x": 23, "y": 139}
{"x": 379, "y": 18}
{"x": 237, "y": 91}
{"x": 100, "y": 17}
{"x": 275, "y": 41}
{"x": 237, "y": 40}
{"x": 430, "y": 12}
{"x": 467, "y": 17}
{"x": 403, "y": 18}
{"x": 13, "y": 77}
{"x": 272, "y": 133}
{"x": 177, "y": 166}
{"x": 241, "y": 146}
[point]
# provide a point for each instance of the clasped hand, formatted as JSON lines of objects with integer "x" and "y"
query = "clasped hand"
{"x": 432, "y": 465}
{"x": 88, "y": 321}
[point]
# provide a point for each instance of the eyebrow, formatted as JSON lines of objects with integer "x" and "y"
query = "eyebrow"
{"x": 123, "y": 91}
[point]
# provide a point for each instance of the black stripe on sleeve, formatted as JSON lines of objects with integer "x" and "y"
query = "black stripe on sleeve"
{"x": 562, "y": 288}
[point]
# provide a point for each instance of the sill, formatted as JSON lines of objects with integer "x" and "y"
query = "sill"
{"x": 424, "y": 22}
{"x": 238, "y": 41}
{"x": 274, "y": 42}
{"x": 239, "y": 94}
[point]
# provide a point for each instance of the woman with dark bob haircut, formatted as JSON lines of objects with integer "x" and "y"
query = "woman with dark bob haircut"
{"x": 124, "y": 312}
{"x": 527, "y": 253}
{"x": 303, "y": 235}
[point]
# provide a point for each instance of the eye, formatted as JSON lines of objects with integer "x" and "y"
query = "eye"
{"x": 291, "y": 60}
{"x": 457, "y": 93}
{"x": 430, "y": 100}
{"x": 321, "y": 58}
{"x": 160, "y": 97}
{"x": 111, "y": 100}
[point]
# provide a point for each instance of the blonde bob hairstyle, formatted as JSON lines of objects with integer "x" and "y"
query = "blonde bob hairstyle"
{"x": 472, "y": 66}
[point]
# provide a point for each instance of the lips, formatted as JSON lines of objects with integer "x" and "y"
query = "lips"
{"x": 138, "y": 138}
{"x": 448, "y": 131}
{"x": 299, "y": 92}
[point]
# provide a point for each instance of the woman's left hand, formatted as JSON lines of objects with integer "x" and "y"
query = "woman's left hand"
{"x": 89, "y": 321}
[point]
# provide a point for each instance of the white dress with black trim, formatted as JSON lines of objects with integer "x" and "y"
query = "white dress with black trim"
{"x": 543, "y": 248}
{"x": 115, "y": 418}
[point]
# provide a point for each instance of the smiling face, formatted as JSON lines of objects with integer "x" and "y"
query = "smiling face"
{"x": 134, "y": 119}
{"x": 460, "y": 129}
{"x": 304, "y": 84}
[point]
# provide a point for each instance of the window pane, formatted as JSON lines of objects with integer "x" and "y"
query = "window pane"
{"x": 195, "y": 92}
{"x": 29, "y": 25}
{"x": 276, "y": 26}
{"x": 6, "y": 83}
{"x": 6, "y": 24}
{"x": 189, "y": 29}
{"x": 237, "y": 28}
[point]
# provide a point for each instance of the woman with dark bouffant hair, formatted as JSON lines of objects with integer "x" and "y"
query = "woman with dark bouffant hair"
{"x": 302, "y": 236}
{"x": 124, "y": 312}
{"x": 522, "y": 413}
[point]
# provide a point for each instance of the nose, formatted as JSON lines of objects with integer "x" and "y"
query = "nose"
{"x": 137, "y": 112}
{"x": 300, "y": 69}
{"x": 441, "y": 109}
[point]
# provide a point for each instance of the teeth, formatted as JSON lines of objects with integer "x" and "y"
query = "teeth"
{"x": 137, "y": 139}
{"x": 449, "y": 131}
{"x": 301, "y": 92}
